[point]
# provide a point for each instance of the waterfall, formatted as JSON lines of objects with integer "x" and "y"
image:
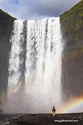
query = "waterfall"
{"x": 34, "y": 82}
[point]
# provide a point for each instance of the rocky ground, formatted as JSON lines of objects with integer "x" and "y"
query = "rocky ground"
{"x": 41, "y": 119}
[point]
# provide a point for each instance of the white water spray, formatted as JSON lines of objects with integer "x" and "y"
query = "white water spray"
{"x": 42, "y": 87}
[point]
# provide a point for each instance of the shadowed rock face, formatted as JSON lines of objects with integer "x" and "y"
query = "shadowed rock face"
{"x": 6, "y": 22}
{"x": 1, "y": 111}
{"x": 72, "y": 60}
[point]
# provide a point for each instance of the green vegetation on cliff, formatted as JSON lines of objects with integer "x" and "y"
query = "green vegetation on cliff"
{"x": 5, "y": 26}
{"x": 1, "y": 11}
{"x": 1, "y": 30}
{"x": 72, "y": 54}
{"x": 72, "y": 21}
{"x": 3, "y": 19}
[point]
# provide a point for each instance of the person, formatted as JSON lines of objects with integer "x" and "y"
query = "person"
{"x": 53, "y": 110}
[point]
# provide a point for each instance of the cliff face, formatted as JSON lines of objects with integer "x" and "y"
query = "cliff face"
{"x": 72, "y": 60}
{"x": 6, "y": 22}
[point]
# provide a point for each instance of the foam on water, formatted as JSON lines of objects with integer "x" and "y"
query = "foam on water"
{"x": 34, "y": 82}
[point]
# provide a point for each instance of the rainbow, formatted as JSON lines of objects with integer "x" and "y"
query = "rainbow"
{"x": 72, "y": 106}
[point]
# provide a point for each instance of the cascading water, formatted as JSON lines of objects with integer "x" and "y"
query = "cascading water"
{"x": 34, "y": 82}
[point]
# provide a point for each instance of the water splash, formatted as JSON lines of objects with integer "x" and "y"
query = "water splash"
{"x": 34, "y": 83}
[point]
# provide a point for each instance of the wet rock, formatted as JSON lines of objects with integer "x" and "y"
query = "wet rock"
{"x": 1, "y": 111}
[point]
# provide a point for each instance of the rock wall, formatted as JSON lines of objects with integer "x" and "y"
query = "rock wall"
{"x": 72, "y": 60}
{"x": 6, "y": 22}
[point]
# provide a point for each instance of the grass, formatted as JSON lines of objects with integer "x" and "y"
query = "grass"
{"x": 1, "y": 11}
{"x": 72, "y": 20}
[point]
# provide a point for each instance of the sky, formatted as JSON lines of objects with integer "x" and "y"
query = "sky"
{"x": 36, "y": 9}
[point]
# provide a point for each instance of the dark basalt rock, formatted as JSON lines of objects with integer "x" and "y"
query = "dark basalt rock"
{"x": 72, "y": 60}
{"x": 6, "y": 22}
{"x": 1, "y": 111}
{"x": 44, "y": 119}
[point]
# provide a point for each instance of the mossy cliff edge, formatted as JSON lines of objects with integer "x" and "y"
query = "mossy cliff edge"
{"x": 72, "y": 60}
{"x": 72, "y": 21}
{"x": 6, "y": 22}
